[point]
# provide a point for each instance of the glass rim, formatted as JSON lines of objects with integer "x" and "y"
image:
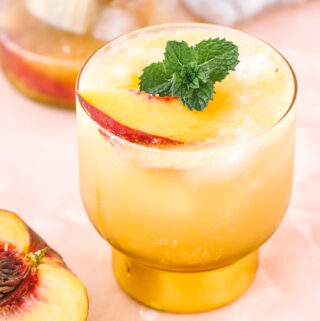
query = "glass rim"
{"x": 203, "y": 144}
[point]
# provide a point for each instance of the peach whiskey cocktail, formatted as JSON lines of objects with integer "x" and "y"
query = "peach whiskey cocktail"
{"x": 186, "y": 148}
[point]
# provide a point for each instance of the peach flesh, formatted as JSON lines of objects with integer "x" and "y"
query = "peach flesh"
{"x": 18, "y": 279}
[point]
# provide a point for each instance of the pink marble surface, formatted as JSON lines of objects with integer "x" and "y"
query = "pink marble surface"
{"x": 38, "y": 180}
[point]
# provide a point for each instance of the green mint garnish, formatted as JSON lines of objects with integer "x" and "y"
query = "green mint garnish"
{"x": 190, "y": 72}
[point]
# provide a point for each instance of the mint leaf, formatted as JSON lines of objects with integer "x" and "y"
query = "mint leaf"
{"x": 199, "y": 98}
{"x": 185, "y": 80}
{"x": 193, "y": 85}
{"x": 190, "y": 72}
{"x": 155, "y": 81}
{"x": 177, "y": 55}
{"x": 219, "y": 55}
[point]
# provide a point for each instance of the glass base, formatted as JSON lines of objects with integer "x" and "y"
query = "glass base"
{"x": 181, "y": 292}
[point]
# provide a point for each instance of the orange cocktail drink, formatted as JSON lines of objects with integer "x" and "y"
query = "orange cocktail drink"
{"x": 184, "y": 197}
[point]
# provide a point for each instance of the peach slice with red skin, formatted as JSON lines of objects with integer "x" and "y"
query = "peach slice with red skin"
{"x": 35, "y": 283}
{"x": 141, "y": 118}
{"x": 119, "y": 129}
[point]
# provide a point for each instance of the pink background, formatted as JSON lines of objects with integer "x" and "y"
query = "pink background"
{"x": 39, "y": 181}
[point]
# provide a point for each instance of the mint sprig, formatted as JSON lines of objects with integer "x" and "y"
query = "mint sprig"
{"x": 190, "y": 72}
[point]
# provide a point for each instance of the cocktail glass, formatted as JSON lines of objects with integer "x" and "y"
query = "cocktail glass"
{"x": 186, "y": 224}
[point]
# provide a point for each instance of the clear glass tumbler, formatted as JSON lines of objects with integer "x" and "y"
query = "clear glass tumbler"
{"x": 185, "y": 225}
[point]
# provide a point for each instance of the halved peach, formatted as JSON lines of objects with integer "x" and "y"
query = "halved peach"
{"x": 35, "y": 283}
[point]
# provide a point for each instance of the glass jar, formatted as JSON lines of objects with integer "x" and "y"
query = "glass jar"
{"x": 45, "y": 43}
